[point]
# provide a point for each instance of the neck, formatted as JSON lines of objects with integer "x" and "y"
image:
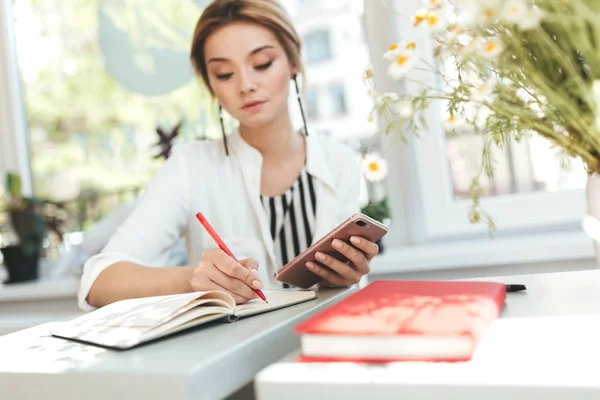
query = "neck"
{"x": 276, "y": 141}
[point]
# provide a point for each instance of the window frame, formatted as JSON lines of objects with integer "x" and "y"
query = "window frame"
{"x": 333, "y": 90}
{"x": 315, "y": 34}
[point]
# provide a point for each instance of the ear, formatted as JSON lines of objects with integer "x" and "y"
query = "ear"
{"x": 294, "y": 71}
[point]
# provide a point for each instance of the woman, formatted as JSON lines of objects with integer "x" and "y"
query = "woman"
{"x": 268, "y": 190}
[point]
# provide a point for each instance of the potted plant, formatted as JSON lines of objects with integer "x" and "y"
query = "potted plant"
{"x": 28, "y": 220}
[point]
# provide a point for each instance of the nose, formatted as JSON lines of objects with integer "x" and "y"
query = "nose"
{"x": 246, "y": 83}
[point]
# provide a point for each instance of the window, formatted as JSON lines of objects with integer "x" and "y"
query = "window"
{"x": 529, "y": 192}
{"x": 527, "y": 166}
{"x": 318, "y": 46}
{"x": 337, "y": 99}
{"x": 99, "y": 79}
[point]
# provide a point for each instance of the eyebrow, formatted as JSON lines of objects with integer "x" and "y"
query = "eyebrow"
{"x": 253, "y": 52}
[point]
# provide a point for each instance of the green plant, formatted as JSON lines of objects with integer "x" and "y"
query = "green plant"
{"x": 378, "y": 210}
{"x": 30, "y": 218}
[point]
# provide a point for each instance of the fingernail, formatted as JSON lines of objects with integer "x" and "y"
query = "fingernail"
{"x": 320, "y": 256}
{"x": 310, "y": 265}
{"x": 337, "y": 244}
{"x": 253, "y": 272}
{"x": 256, "y": 284}
{"x": 355, "y": 240}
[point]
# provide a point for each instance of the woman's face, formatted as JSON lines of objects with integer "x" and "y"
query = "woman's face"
{"x": 248, "y": 72}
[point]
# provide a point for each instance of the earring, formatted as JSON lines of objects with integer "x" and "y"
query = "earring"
{"x": 300, "y": 103}
{"x": 223, "y": 130}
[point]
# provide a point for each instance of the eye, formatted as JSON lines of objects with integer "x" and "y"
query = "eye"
{"x": 224, "y": 77}
{"x": 263, "y": 67}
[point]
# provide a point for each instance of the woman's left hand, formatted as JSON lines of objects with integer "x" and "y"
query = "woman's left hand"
{"x": 344, "y": 274}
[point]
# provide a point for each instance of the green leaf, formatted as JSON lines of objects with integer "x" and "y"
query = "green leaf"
{"x": 379, "y": 211}
{"x": 13, "y": 185}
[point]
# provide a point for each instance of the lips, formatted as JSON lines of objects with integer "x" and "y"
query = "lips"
{"x": 251, "y": 104}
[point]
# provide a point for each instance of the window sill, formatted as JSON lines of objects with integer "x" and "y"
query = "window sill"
{"x": 65, "y": 288}
{"x": 548, "y": 247}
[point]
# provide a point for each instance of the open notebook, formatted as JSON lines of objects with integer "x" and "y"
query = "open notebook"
{"x": 127, "y": 323}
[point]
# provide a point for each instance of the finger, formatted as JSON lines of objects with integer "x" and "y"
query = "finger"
{"x": 201, "y": 280}
{"x": 238, "y": 299}
{"x": 356, "y": 256}
{"x": 330, "y": 276}
{"x": 233, "y": 285}
{"x": 371, "y": 249}
{"x": 346, "y": 271}
{"x": 249, "y": 263}
{"x": 251, "y": 278}
{"x": 228, "y": 265}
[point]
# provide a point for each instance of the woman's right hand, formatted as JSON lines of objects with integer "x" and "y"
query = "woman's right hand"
{"x": 217, "y": 271}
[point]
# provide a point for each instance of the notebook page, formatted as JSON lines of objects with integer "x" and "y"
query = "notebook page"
{"x": 124, "y": 323}
{"x": 276, "y": 299}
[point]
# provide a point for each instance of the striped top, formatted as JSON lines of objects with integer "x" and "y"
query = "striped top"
{"x": 291, "y": 218}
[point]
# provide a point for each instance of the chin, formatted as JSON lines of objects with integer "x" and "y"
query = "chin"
{"x": 257, "y": 120}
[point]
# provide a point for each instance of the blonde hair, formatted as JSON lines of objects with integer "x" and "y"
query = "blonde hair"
{"x": 267, "y": 13}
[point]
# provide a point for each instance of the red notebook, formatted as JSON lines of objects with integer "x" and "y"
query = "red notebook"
{"x": 404, "y": 321}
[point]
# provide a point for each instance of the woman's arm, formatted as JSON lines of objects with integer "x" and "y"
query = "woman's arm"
{"x": 216, "y": 271}
{"x": 131, "y": 263}
{"x": 126, "y": 280}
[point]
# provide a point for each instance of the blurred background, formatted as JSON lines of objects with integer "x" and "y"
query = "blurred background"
{"x": 101, "y": 78}
{"x": 94, "y": 93}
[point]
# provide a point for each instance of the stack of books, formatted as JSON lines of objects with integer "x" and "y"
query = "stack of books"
{"x": 390, "y": 321}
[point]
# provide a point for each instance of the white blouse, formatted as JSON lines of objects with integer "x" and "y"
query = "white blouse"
{"x": 226, "y": 189}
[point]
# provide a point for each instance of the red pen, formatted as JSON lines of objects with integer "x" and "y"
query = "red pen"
{"x": 223, "y": 247}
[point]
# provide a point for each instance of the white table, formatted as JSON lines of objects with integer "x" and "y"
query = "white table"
{"x": 546, "y": 344}
{"x": 210, "y": 362}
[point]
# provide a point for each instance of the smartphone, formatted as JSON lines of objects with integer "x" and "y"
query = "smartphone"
{"x": 295, "y": 272}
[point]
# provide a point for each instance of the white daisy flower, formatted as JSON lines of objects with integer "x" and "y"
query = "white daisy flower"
{"x": 410, "y": 45}
{"x": 513, "y": 11}
{"x": 392, "y": 51}
{"x": 386, "y": 98}
{"x": 483, "y": 92}
{"x": 401, "y": 65}
{"x": 420, "y": 16}
{"x": 518, "y": 13}
{"x": 435, "y": 4}
{"x": 531, "y": 20}
{"x": 397, "y": 48}
{"x": 435, "y": 21}
{"x": 368, "y": 73}
{"x": 374, "y": 167}
{"x": 491, "y": 48}
{"x": 450, "y": 123}
{"x": 476, "y": 12}
{"x": 432, "y": 19}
